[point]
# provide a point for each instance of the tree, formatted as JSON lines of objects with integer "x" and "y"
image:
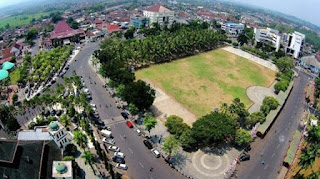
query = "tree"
{"x": 242, "y": 39}
{"x": 70, "y": 150}
{"x": 89, "y": 157}
{"x": 308, "y": 157}
{"x": 281, "y": 86}
{"x": 55, "y": 17}
{"x": 80, "y": 138}
{"x": 171, "y": 145}
{"x": 12, "y": 123}
{"x": 119, "y": 90}
{"x": 65, "y": 120}
{"x": 129, "y": 33}
{"x": 72, "y": 23}
{"x": 176, "y": 126}
{"x": 242, "y": 138}
{"x": 68, "y": 158}
{"x": 271, "y": 102}
{"x": 285, "y": 64}
{"x": 265, "y": 109}
{"x": 314, "y": 135}
{"x": 149, "y": 122}
{"x": 256, "y": 117}
{"x": 213, "y": 128}
{"x": 187, "y": 142}
{"x": 32, "y": 33}
{"x": 14, "y": 98}
{"x": 140, "y": 94}
{"x": 133, "y": 109}
{"x": 71, "y": 111}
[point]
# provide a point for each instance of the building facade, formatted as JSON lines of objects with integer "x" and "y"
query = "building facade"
{"x": 139, "y": 21}
{"x": 59, "y": 134}
{"x": 268, "y": 36}
{"x": 294, "y": 43}
{"x": 310, "y": 63}
{"x": 159, "y": 14}
{"x": 233, "y": 28}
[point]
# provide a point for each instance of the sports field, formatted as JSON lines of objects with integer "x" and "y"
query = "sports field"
{"x": 203, "y": 82}
{"x": 18, "y": 20}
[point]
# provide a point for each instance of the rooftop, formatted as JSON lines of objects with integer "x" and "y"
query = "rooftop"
{"x": 7, "y": 65}
{"x": 37, "y": 134}
{"x": 311, "y": 60}
{"x": 62, "y": 169}
{"x": 3, "y": 74}
{"x": 158, "y": 8}
{"x": 63, "y": 30}
{"x": 7, "y": 150}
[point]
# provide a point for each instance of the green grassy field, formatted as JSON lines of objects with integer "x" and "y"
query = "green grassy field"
{"x": 14, "y": 76}
{"x": 15, "y": 21}
{"x": 203, "y": 82}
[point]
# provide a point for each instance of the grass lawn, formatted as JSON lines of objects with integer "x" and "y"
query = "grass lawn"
{"x": 15, "y": 21}
{"x": 205, "y": 81}
{"x": 14, "y": 76}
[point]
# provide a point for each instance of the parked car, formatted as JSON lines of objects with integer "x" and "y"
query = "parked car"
{"x": 155, "y": 152}
{"x": 53, "y": 112}
{"x": 122, "y": 166}
{"x": 119, "y": 154}
{"x": 124, "y": 115}
{"x": 108, "y": 140}
{"x": 118, "y": 159}
{"x": 106, "y": 133}
{"x": 99, "y": 122}
{"x": 244, "y": 158}
{"x": 129, "y": 124}
{"x": 114, "y": 148}
{"x": 59, "y": 112}
{"x": 147, "y": 144}
{"x": 137, "y": 131}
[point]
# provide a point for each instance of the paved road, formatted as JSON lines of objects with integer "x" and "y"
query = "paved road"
{"x": 276, "y": 142}
{"x": 138, "y": 158}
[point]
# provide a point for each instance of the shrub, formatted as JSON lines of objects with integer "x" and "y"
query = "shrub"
{"x": 235, "y": 44}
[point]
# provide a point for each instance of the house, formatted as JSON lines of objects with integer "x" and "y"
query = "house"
{"x": 310, "y": 62}
{"x": 64, "y": 34}
{"x": 159, "y": 14}
{"x": 9, "y": 52}
{"x": 113, "y": 28}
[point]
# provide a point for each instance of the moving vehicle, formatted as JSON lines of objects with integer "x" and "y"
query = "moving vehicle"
{"x": 114, "y": 148}
{"x": 155, "y": 152}
{"x": 122, "y": 166}
{"x": 147, "y": 144}
{"x": 108, "y": 140}
{"x": 119, "y": 154}
{"x": 244, "y": 158}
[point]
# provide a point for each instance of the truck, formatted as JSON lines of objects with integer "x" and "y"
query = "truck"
{"x": 106, "y": 133}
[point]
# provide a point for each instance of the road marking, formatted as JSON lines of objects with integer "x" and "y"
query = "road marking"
{"x": 113, "y": 126}
{"x": 272, "y": 155}
{"x": 266, "y": 167}
{"x": 278, "y": 145}
{"x": 121, "y": 137}
{"x": 116, "y": 122}
{"x": 141, "y": 165}
{"x": 130, "y": 150}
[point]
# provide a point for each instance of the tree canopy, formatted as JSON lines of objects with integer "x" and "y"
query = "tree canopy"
{"x": 176, "y": 126}
{"x": 242, "y": 138}
{"x": 285, "y": 64}
{"x": 149, "y": 122}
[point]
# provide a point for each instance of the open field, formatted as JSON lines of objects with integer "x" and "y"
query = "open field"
{"x": 14, "y": 76}
{"x": 14, "y": 21}
{"x": 205, "y": 81}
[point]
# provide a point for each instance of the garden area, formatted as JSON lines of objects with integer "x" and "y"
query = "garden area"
{"x": 206, "y": 81}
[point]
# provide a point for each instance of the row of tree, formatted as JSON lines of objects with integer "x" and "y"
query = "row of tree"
{"x": 285, "y": 65}
{"x": 166, "y": 46}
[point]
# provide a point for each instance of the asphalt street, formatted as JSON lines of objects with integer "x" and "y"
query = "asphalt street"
{"x": 273, "y": 147}
{"x": 138, "y": 158}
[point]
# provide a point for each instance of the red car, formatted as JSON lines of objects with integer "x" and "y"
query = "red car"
{"x": 129, "y": 124}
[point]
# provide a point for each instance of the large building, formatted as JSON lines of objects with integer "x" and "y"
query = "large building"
{"x": 63, "y": 34}
{"x": 139, "y": 21}
{"x": 159, "y": 14}
{"x": 295, "y": 42}
{"x": 59, "y": 134}
{"x": 233, "y": 28}
{"x": 311, "y": 63}
{"x": 268, "y": 36}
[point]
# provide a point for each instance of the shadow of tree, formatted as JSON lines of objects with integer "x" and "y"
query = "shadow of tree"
{"x": 179, "y": 160}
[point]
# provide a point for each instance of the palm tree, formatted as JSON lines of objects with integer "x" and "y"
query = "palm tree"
{"x": 89, "y": 157}
{"x": 308, "y": 157}
{"x": 314, "y": 135}
{"x": 314, "y": 175}
{"x": 65, "y": 120}
{"x": 80, "y": 138}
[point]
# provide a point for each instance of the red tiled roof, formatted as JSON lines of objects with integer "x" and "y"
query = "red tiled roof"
{"x": 6, "y": 52}
{"x": 97, "y": 21}
{"x": 113, "y": 28}
{"x": 158, "y": 8}
{"x": 90, "y": 34}
{"x": 18, "y": 46}
{"x": 5, "y": 60}
{"x": 63, "y": 30}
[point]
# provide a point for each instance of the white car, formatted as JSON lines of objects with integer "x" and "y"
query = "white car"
{"x": 108, "y": 140}
{"x": 122, "y": 166}
{"x": 137, "y": 131}
{"x": 114, "y": 148}
{"x": 119, "y": 154}
{"x": 155, "y": 152}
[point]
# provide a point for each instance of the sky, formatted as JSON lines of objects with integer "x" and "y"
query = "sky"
{"x": 308, "y": 10}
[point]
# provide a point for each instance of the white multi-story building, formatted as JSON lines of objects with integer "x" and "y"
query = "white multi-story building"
{"x": 233, "y": 28}
{"x": 269, "y": 36}
{"x": 59, "y": 134}
{"x": 159, "y": 14}
{"x": 295, "y": 42}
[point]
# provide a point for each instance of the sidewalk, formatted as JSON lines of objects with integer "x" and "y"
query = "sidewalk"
{"x": 87, "y": 171}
